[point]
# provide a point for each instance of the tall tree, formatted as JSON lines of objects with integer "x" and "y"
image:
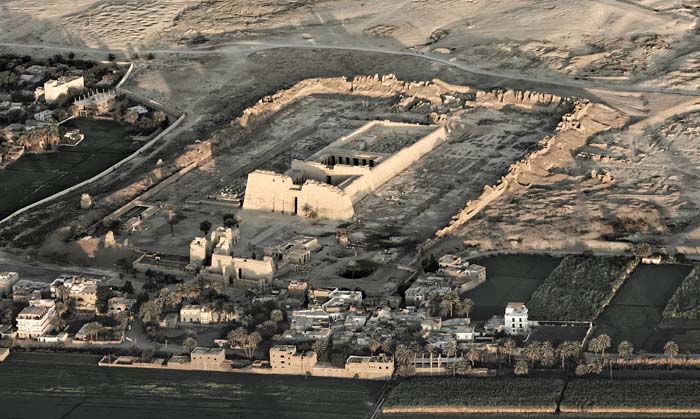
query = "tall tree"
{"x": 521, "y": 367}
{"x": 509, "y": 348}
{"x": 205, "y": 227}
{"x": 625, "y": 349}
{"x": 671, "y": 349}
{"x": 464, "y": 307}
{"x": 170, "y": 218}
{"x": 190, "y": 343}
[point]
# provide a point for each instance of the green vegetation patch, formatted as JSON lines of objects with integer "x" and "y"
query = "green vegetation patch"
{"x": 477, "y": 392}
{"x": 635, "y": 312}
{"x": 685, "y": 302}
{"x": 579, "y": 288}
{"x": 584, "y": 394}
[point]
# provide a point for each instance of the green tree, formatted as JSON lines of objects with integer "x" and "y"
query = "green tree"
{"x": 205, "y": 227}
{"x": 509, "y": 348}
{"x": 521, "y": 368}
{"x": 276, "y": 315}
{"x": 671, "y": 349}
{"x": 190, "y": 343}
{"x": 625, "y": 349}
{"x": 464, "y": 307}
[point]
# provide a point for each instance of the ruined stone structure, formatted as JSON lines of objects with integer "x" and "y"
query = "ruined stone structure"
{"x": 328, "y": 184}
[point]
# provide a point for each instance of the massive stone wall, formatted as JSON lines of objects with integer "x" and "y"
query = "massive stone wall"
{"x": 394, "y": 165}
{"x": 274, "y": 192}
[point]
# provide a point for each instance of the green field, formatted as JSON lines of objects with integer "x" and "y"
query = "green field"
{"x": 580, "y": 285}
{"x": 36, "y": 176}
{"x": 636, "y": 310}
{"x": 72, "y": 386}
{"x": 584, "y": 394}
{"x": 509, "y": 278}
{"x": 476, "y": 392}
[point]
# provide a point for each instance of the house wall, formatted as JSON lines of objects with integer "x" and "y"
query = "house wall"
{"x": 51, "y": 92}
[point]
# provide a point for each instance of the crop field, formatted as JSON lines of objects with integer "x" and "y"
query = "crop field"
{"x": 54, "y": 386}
{"x": 584, "y": 395}
{"x": 636, "y": 310}
{"x": 476, "y": 392}
{"x": 36, "y": 176}
{"x": 509, "y": 278}
{"x": 580, "y": 285}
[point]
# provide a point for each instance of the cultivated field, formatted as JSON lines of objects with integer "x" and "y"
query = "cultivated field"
{"x": 636, "y": 310}
{"x": 53, "y": 386}
{"x": 632, "y": 396}
{"x": 509, "y": 278}
{"x": 470, "y": 395}
{"x": 580, "y": 285}
{"x": 36, "y": 176}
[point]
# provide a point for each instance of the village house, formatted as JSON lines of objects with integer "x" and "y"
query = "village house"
{"x": 82, "y": 290}
{"x": 120, "y": 305}
{"x": 24, "y": 291}
{"x": 467, "y": 275}
{"x": 284, "y": 359}
{"x": 36, "y": 319}
{"x": 208, "y": 358}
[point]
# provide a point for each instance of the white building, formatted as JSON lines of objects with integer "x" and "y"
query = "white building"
{"x": 35, "y": 320}
{"x": 516, "y": 322}
{"x": 55, "y": 88}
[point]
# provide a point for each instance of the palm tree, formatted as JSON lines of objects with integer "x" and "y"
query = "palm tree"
{"x": 319, "y": 346}
{"x": 204, "y": 227}
{"x": 671, "y": 349}
{"x": 190, "y": 343}
{"x": 451, "y": 350}
{"x": 374, "y": 345}
{"x": 532, "y": 352}
{"x": 521, "y": 367}
{"x": 473, "y": 355}
{"x": 306, "y": 208}
{"x": 595, "y": 367}
{"x": 567, "y": 349}
{"x": 509, "y": 348}
{"x": 276, "y": 315}
{"x": 170, "y": 217}
{"x": 430, "y": 349}
{"x": 449, "y": 300}
{"x": 581, "y": 369}
{"x": 547, "y": 355}
{"x": 403, "y": 355}
{"x": 464, "y": 307}
{"x": 625, "y": 349}
{"x": 604, "y": 342}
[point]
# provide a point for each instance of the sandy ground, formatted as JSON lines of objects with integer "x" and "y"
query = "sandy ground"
{"x": 621, "y": 53}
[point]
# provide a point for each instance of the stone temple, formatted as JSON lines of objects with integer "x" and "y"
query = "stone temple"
{"x": 332, "y": 181}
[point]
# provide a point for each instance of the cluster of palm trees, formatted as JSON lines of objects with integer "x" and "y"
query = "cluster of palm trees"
{"x": 248, "y": 342}
{"x": 452, "y": 304}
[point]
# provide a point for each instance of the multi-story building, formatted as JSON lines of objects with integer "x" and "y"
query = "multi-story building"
{"x": 207, "y": 358}
{"x": 99, "y": 103}
{"x": 82, "y": 290}
{"x": 57, "y": 87}
{"x": 24, "y": 291}
{"x": 516, "y": 321}
{"x": 285, "y": 359}
{"x": 35, "y": 320}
